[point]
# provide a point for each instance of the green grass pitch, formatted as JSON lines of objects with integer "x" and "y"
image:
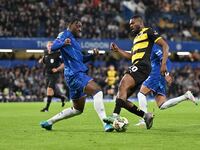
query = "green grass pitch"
{"x": 175, "y": 128}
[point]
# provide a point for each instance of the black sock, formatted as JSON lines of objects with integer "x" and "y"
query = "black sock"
{"x": 128, "y": 106}
{"x": 48, "y": 102}
{"x": 60, "y": 96}
{"x": 118, "y": 106}
{"x": 135, "y": 110}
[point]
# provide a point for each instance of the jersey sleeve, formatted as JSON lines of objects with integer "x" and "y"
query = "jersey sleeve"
{"x": 87, "y": 58}
{"x": 59, "y": 41}
{"x": 153, "y": 35}
{"x": 43, "y": 59}
{"x": 169, "y": 65}
{"x": 158, "y": 52}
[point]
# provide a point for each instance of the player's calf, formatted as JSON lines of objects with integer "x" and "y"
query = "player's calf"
{"x": 65, "y": 114}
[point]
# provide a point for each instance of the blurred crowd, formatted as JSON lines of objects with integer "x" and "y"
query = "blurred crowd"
{"x": 185, "y": 79}
{"x": 22, "y": 83}
{"x": 174, "y": 19}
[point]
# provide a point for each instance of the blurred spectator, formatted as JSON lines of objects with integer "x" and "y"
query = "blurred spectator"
{"x": 28, "y": 84}
{"x": 106, "y": 19}
{"x": 111, "y": 81}
{"x": 23, "y": 84}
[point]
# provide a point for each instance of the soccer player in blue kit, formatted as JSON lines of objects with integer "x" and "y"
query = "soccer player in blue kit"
{"x": 79, "y": 83}
{"x": 156, "y": 83}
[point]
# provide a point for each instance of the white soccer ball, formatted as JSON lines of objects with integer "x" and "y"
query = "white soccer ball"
{"x": 120, "y": 124}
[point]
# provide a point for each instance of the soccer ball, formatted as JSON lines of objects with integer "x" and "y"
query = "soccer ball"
{"x": 120, "y": 124}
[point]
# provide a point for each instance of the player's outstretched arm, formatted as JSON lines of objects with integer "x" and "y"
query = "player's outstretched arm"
{"x": 61, "y": 67}
{"x": 41, "y": 60}
{"x": 88, "y": 57}
{"x": 121, "y": 52}
{"x": 168, "y": 78}
{"x": 165, "y": 49}
{"x": 59, "y": 43}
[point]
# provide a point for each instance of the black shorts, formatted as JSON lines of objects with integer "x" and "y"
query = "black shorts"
{"x": 139, "y": 72}
{"x": 52, "y": 80}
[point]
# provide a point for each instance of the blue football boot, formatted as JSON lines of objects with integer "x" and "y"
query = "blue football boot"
{"x": 108, "y": 128}
{"x": 46, "y": 125}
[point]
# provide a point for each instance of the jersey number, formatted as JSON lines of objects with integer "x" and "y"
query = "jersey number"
{"x": 133, "y": 68}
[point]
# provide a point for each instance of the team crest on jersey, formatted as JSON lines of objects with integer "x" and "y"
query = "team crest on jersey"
{"x": 60, "y": 34}
{"x": 52, "y": 61}
{"x": 155, "y": 33}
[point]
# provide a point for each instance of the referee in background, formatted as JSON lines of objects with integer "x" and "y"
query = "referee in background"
{"x": 53, "y": 66}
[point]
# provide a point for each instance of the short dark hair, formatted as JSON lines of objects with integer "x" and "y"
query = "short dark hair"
{"x": 71, "y": 20}
{"x": 137, "y": 16}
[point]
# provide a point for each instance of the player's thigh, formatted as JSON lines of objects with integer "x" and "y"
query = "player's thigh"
{"x": 91, "y": 88}
{"x": 50, "y": 91}
{"x": 77, "y": 85}
{"x": 126, "y": 83}
{"x": 144, "y": 90}
{"x": 160, "y": 99}
{"x": 132, "y": 90}
{"x": 79, "y": 103}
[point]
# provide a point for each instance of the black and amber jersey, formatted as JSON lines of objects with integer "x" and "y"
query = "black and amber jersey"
{"x": 112, "y": 77}
{"x": 142, "y": 46}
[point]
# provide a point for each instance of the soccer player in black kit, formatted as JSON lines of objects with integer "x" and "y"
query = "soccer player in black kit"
{"x": 143, "y": 42}
{"x": 53, "y": 65}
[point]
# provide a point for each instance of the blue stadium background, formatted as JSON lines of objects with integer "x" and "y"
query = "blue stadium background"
{"x": 29, "y": 24}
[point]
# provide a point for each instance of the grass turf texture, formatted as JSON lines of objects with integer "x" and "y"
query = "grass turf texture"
{"x": 175, "y": 128}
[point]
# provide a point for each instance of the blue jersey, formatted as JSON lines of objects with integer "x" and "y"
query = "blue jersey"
{"x": 155, "y": 81}
{"x": 156, "y": 59}
{"x": 75, "y": 69}
{"x": 71, "y": 54}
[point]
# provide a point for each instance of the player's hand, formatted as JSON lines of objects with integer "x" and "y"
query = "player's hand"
{"x": 95, "y": 52}
{"x": 168, "y": 78}
{"x": 54, "y": 70}
{"x": 163, "y": 69}
{"x": 114, "y": 47}
{"x": 40, "y": 60}
{"x": 67, "y": 41}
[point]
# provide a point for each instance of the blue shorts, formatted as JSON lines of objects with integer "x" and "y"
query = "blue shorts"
{"x": 76, "y": 84}
{"x": 157, "y": 84}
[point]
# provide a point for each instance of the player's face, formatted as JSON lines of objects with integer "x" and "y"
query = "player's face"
{"x": 49, "y": 44}
{"x": 77, "y": 28}
{"x": 112, "y": 67}
{"x": 135, "y": 25}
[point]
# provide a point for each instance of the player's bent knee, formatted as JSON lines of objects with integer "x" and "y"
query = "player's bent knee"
{"x": 140, "y": 94}
{"x": 123, "y": 88}
{"x": 97, "y": 91}
{"x": 76, "y": 111}
{"x": 162, "y": 107}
